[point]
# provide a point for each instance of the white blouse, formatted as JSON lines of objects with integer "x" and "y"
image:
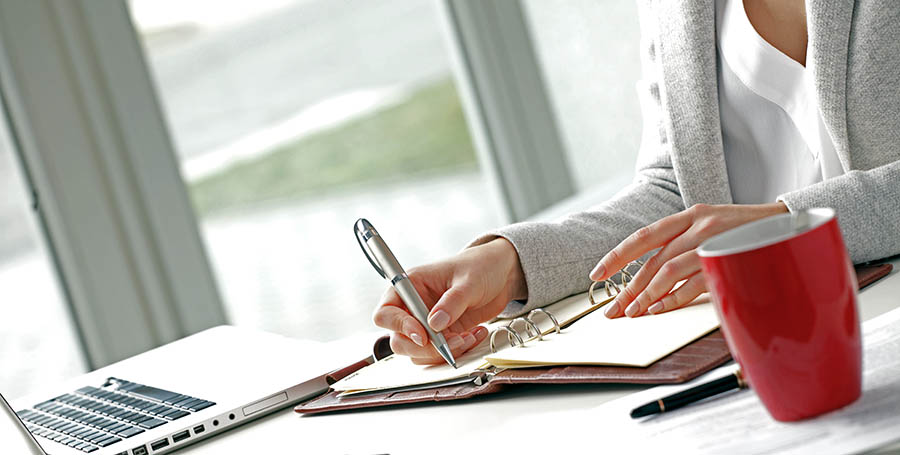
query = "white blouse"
{"x": 772, "y": 129}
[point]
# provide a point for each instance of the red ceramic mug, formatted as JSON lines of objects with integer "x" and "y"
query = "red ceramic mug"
{"x": 785, "y": 292}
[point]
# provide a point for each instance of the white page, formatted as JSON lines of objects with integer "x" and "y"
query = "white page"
{"x": 598, "y": 340}
{"x": 399, "y": 371}
{"x": 738, "y": 423}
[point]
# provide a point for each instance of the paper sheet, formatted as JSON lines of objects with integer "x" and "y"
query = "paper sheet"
{"x": 739, "y": 424}
{"x": 399, "y": 371}
{"x": 598, "y": 340}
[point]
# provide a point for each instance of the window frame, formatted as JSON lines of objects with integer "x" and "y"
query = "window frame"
{"x": 97, "y": 155}
{"x": 86, "y": 123}
{"x": 508, "y": 105}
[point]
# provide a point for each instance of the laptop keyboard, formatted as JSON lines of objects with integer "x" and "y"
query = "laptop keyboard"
{"x": 91, "y": 418}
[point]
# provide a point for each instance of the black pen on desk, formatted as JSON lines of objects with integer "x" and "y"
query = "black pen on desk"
{"x": 692, "y": 395}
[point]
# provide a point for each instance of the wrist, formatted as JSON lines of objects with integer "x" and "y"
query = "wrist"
{"x": 778, "y": 207}
{"x": 516, "y": 286}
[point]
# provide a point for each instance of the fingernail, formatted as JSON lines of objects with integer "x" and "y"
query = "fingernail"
{"x": 632, "y": 309}
{"x": 439, "y": 320}
{"x": 417, "y": 339}
{"x": 598, "y": 271}
{"x": 469, "y": 340}
{"x": 455, "y": 341}
{"x": 479, "y": 331}
{"x": 656, "y": 308}
{"x": 612, "y": 309}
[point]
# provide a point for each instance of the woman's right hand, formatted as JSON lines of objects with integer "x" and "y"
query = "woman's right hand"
{"x": 462, "y": 292}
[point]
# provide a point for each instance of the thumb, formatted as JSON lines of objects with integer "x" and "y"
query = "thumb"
{"x": 451, "y": 306}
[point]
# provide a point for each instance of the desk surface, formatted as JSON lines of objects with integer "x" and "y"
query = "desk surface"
{"x": 465, "y": 424}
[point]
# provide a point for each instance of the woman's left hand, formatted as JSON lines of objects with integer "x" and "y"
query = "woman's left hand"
{"x": 679, "y": 236}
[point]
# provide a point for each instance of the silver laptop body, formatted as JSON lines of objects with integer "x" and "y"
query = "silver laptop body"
{"x": 174, "y": 395}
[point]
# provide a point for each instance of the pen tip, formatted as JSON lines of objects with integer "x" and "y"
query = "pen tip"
{"x": 444, "y": 351}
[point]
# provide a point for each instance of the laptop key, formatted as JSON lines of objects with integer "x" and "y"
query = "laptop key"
{"x": 119, "y": 413}
{"x": 184, "y": 400}
{"x": 90, "y": 449}
{"x": 98, "y": 437}
{"x": 152, "y": 423}
{"x": 175, "y": 399}
{"x": 158, "y": 409}
{"x": 175, "y": 414}
{"x": 153, "y": 393}
{"x": 129, "y": 432}
{"x": 202, "y": 406}
{"x": 109, "y": 441}
{"x": 116, "y": 426}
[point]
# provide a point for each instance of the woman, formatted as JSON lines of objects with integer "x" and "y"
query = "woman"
{"x": 744, "y": 117}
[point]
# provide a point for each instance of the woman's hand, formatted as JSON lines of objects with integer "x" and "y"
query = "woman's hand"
{"x": 679, "y": 236}
{"x": 462, "y": 292}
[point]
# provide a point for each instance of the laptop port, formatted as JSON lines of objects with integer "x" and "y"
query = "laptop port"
{"x": 142, "y": 450}
{"x": 199, "y": 429}
{"x": 159, "y": 444}
{"x": 178, "y": 437}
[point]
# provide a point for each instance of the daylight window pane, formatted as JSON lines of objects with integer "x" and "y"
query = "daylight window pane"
{"x": 293, "y": 118}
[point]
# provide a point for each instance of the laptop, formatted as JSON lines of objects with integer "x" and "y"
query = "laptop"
{"x": 172, "y": 396}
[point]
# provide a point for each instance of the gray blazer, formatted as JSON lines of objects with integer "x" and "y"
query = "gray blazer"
{"x": 856, "y": 50}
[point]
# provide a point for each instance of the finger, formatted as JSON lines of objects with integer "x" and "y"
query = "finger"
{"x": 402, "y": 345}
{"x": 685, "y": 294}
{"x": 679, "y": 268}
{"x": 459, "y": 345}
{"x": 451, "y": 306}
{"x": 641, "y": 241}
{"x": 478, "y": 314}
{"x": 677, "y": 246}
{"x": 400, "y": 321}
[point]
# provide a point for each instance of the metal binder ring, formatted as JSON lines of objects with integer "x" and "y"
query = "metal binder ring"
{"x": 544, "y": 312}
{"x": 607, "y": 284}
{"x": 530, "y": 327}
{"x": 509, "y": 335}
{"x": 626, "y": 275}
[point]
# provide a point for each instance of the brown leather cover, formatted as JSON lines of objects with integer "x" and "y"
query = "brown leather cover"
{"x": 682, "y": 365}
{"x": 868, "y": 274}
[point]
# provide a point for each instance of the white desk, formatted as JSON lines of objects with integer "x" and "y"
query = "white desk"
{"x": 465, "y": 425}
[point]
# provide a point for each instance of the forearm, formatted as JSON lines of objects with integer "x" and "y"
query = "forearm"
{"x": 867, "y": 205}
{"x": 556, "y": 257}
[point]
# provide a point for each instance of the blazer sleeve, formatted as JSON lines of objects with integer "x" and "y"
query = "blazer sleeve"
{"x": 557, "y": 256}
{"x": 867, "y": 205}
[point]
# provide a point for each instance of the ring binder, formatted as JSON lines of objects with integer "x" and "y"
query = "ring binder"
{"x": 510, "y": 333}
{"x": 549, "y": 316}
{"x": 514, "y": 336}
{"x": 529, "y": 326}
{"x": 625, "y": 275}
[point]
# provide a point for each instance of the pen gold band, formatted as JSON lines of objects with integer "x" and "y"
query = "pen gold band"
{"x": 740, "y": 379}
{"x": 662, "y": 406}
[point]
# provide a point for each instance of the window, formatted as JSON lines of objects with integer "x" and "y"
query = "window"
{"x": 588, "y": 53}
{"x": 38, "y": 345}
{"x": 292, "y": 119}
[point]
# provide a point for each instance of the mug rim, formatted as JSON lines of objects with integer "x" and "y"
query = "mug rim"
{"x": 708, "y": 248}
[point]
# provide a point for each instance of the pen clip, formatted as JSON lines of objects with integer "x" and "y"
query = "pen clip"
{"x": 360, "y": 229}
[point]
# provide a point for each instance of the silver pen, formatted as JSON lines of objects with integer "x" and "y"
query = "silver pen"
{"x": 381, "y": 257}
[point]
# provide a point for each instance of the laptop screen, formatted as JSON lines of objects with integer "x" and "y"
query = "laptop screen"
{"x": 14, "y": 437}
